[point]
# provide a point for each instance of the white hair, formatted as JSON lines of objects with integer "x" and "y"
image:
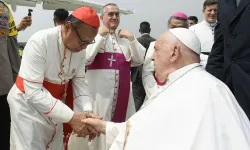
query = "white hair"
{"x": 104, "y": 8}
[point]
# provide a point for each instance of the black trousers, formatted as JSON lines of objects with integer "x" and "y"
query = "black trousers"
{"x": 5, "y": 109}
{"x": 139, "y": 93}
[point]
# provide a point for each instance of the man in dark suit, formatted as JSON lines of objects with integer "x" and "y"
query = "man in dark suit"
{"x": 136, "y": 72}
{"x": 230, "y": 56}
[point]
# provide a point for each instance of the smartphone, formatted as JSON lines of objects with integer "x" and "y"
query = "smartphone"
{"x": 29, "y": 12}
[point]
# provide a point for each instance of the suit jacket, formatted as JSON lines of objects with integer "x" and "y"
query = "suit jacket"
{"x": 230, "y": 56}
{"x": 136, "y": 72}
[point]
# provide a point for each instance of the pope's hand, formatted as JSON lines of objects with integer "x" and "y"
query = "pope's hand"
{"x": 25, "y": 22}
{"x": 126, "y": 34}
{"x": 97, "y": 124}
{"x": 93, "y": 132}
{"x": 94, "y": 116}
{"x": 103, "y": 31}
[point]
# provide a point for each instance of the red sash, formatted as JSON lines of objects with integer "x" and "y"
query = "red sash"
{"x": 57, "y": 91}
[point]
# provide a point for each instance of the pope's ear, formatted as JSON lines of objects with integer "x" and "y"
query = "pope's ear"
{"x": 176, "y": 52}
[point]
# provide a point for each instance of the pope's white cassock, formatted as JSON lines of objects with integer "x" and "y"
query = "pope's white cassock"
{"x": 37, "y": 112}
{"x": 108, "y": 77}
{"x": 192, "y": 111}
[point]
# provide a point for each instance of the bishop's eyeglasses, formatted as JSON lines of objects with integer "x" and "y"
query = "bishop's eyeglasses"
{"x": 83, "y": 42}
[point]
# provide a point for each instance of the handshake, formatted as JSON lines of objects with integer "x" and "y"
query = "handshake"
{"x": 87, "y": 124}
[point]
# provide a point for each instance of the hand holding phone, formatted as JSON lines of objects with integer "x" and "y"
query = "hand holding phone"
{"x": 25, "y": 22}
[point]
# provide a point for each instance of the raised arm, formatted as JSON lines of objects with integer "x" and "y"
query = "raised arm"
{"x": 216, "y": 58}
{"x": 93, "y": 49}
{"x": 137, "y": 53}
{"x": 136, "y": 49}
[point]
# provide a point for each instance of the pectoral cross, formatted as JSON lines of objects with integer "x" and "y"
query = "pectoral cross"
{"x": 111, "y": 60}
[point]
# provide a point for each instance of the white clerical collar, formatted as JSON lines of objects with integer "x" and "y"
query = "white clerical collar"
{"x": 145, "y": 34}
{"x": 114, "y": 32}
{"x": 113, "y": 35}
{"x": 178, "y": 73}
{"x": 209, "y": 24}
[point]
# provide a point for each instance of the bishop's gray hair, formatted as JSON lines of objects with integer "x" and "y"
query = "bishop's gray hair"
{"x": 179, "y": 18}
{"x": 104, "y": 8}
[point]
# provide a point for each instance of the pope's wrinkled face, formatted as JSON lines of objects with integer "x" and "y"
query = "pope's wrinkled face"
{"x": 78, "y": 37}
{"x": 167, "y": 54}
{"x": 210, "y": 13}
{"x": 111, "y": 17}
{"x": 161, "y": 55}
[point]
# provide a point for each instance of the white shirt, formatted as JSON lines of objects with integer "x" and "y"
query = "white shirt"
{"x": 205, "y": 33}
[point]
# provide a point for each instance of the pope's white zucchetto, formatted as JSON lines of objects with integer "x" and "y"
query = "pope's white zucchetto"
{"x": 188, "y": 38}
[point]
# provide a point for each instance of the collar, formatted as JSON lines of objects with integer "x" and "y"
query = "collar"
{"x": 180, "y": 72}
{"x": 171, "y": 79}
{"x": 145, "y": 34}
{"x": 209, "y": 24}
{"x": 114, "y": 32}
{"x": 113, "y": 36}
